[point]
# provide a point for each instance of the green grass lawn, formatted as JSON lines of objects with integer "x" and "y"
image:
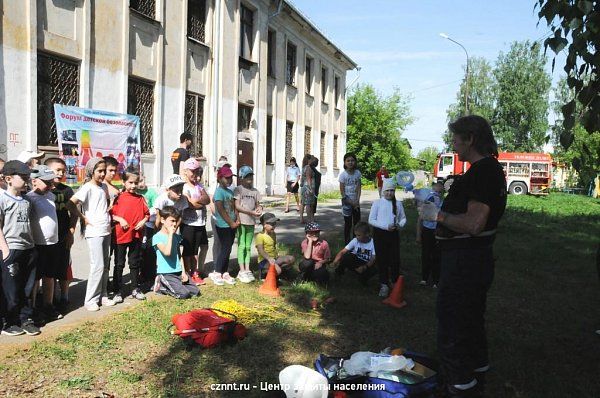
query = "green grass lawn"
{"x": 542, "y": 312}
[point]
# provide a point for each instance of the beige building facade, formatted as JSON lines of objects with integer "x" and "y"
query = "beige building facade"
{"x": 253, "y": 80}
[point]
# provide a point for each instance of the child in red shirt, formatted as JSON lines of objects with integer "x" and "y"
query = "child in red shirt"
{"x": 316, "y": 255}
{"x": 131, "y": 213}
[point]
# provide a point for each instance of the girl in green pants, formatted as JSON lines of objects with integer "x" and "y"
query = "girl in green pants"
{"x": 247, "y": 203}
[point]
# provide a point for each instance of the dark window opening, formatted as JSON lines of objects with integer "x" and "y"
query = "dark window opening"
{"x": 289, "y": 136}
{"x": 244, "y": 117}
{"x": 336, "y": 90}
{"x": 146, "y": 7}
{"x": 193, "y": 119}
{"x": 290, "y": 75}
{"x": 58, "y": 83}
{"x": 324, "y": 84}
{"x": 307, "y": 140}
{"x": 246, "y": 32}
{"x": 140, "y": 102}
{"x": 308, "y": 75}
{"x": 271, "y": 46}
{"x": 197, "y": 19}
{"x": 335, "y": 151}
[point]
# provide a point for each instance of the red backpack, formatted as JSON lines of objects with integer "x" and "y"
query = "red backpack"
{"x": 208, "y": 329}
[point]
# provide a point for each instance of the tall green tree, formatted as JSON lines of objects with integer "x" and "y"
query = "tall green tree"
{"x": 375, "y": 126}
{"x": 575, "y": 25}
{"x": 481, "y": 94}
{"x": 584, "y": 152}
{"x": 429, "y": 156}
{"x": 522, "y": 85}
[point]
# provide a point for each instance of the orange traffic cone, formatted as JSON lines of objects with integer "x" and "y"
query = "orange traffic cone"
{"x": 269, "y": 286}
{"x": 396, "y": 298}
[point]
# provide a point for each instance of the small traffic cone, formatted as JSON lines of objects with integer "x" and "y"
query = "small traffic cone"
{"x": 269, "y": 286}
{"x": 396, "y": 298}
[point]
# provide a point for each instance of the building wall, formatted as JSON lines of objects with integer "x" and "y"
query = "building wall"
{"x": 113, "y": 44}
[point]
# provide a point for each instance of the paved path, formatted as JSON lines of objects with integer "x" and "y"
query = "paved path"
{"x": 290, "y": 231}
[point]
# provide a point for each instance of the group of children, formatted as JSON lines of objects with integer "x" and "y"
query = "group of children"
{"x": 136, "y": 223}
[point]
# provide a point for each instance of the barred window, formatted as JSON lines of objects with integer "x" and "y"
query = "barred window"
{"x": 307, "y": 140}
{"x": 194, "y": 117}
{"x": 335, "y": 151}
{"x": 140, "y": 102}
{"x": 58, "y": 83}
{"x": 324, "y": 84}
{"x": 290, "y": 70}
{"x": 146, "y": 7}
{"x": 197, "y": 19}
{"x": 269, "y": 146}
{"x": 289, "y": 136}
{"x": 246, "y": 32}
{"x": 271, "y": 56}
{"x": 322, "y": 151}
{"x": 308, "y": 74}
{"x": 244, "y": 117}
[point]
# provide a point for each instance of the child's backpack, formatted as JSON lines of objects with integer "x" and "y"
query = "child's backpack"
{"x": 208, "y": 329}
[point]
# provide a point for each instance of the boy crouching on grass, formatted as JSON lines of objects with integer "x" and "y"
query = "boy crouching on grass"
{"x": 266, "y": 245}
{"x": 358, "y": 255}
{"x": 170, "y": 275}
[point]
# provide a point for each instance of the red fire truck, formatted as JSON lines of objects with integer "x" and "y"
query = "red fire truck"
{"x": 525, "y": 172}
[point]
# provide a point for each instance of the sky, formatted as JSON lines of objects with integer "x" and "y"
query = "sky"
{"x": 397, "y": 45}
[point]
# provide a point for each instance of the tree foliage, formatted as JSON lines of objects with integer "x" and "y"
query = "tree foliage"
{"x": 481, "y": 94}
{"x": 375, "y": 126}
{"x": 575, "y": 25}
{"x": 584, "y": 152}
{"x": 429, "y": 156}
{"x": 522, "y": 89}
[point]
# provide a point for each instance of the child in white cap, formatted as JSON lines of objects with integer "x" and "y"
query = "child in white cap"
{"x": 193, "y": 226}
{"x": 247, "y": 203}
{"x": 387, "y": 217}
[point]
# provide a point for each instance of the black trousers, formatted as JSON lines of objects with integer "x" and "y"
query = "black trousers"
{"x": 309, "y": 273}
{"x": 430, "y": 256}
{"x": 133, "y": 250}
{"x": 466, "y": 276}
{"x": 226, "y": 237}
{"x": 18, "y": 279}
{"x": 148, "y": 268}
{"x": 349, "y": 223}
{"x": 387, "y": 250}
{"x": 351, "y": 262}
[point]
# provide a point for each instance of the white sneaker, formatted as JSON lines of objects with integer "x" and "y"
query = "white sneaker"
{"x": 250, "y": 275}
{"x": 244, "y": 277}
{"x": 423, "y": 283}
{"x": 228, "y": 278}
{"x": 216, "y": 278}
{"x": 117, "y": 298}
{"x": 92, "y": 307}
{"x": 384, "y": 291}
{"x": 106, "y": 302}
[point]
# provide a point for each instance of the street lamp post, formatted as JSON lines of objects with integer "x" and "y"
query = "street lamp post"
{"x": 445, "y": 36}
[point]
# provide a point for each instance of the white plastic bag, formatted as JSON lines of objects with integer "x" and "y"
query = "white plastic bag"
{"x": 363, "y": 362}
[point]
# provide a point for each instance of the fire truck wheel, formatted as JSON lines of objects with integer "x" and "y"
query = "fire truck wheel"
{"x": 517, "y": 188}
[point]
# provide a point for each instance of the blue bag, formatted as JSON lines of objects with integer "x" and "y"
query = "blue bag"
{"x": 373, "y": 387}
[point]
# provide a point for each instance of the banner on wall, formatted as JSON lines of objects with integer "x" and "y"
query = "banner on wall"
{"x": 87, "y": 133}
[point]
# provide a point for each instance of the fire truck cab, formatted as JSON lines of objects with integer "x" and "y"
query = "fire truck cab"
{"x": 525, "y": 172}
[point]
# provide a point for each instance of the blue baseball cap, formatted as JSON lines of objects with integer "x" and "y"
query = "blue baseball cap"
{"x": 245, "y": 171}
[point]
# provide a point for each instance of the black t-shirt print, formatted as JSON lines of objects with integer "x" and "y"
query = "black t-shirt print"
{"x": 484, "y": 182}
{"x": 179, "y": 155}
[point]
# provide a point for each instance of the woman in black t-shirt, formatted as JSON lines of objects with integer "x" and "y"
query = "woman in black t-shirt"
{"x": 466, "y": 228}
